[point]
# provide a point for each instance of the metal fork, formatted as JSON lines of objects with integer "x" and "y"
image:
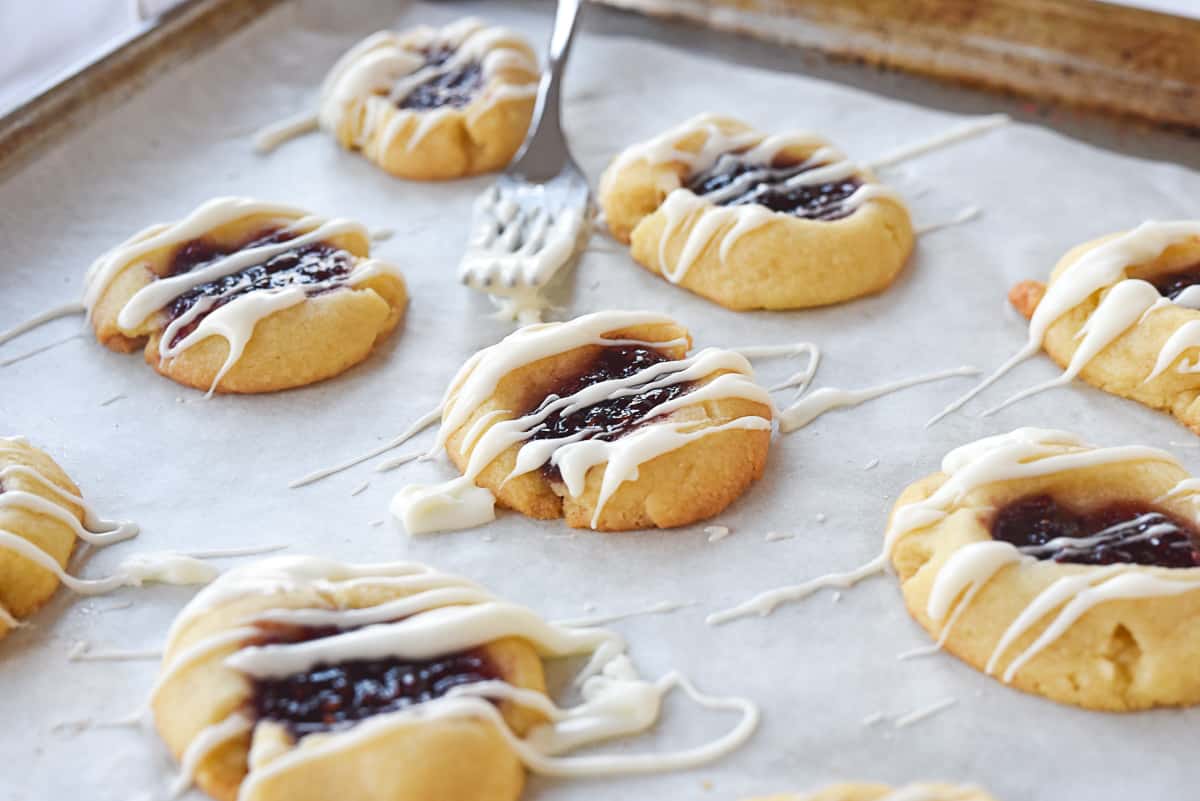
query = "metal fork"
{"x": 533, "y": 219}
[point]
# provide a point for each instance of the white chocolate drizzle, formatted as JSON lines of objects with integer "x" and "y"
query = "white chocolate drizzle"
{"x": 707, "y": 223}
{"x": 825, "y": 399}
{"x": 1021, "y": 454}
{"x": 235, "y": 320}
{"x": 87, "y": 652}
{"x": 917, "y": 715}
{"x": 459, "y": 503}
{"x": 798, "y": 381}
{"x": 57, "y": 313}
{"x": 29, "y": 354}
{"x": 959, "y": 133}
{"x": 377, "y": 74}
{"x": 660, "y": 608}
{"x": 436, "y": 615}
{"x": 967, "y": 214}
{"x": 427, "y": 420}
{"x": 1126, "y": 303}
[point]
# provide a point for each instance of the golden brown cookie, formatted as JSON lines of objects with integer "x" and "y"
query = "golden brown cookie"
{"x": 433, "y": 104}
{"x": 1063, "y": 569}
{"x": 304, "y": 679}
{"x": 1123, "y": 313}
{"x": 754, "y": 221}
{"x": 42, "y": 515}
{"x": 245, "y": 296}
{"x": 871, "y": 791}
{"x": 603, "y": 420}
{"x": 35, "y": 503}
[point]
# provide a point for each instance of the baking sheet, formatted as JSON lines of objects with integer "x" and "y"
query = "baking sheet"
{"x": 213, "y": 473}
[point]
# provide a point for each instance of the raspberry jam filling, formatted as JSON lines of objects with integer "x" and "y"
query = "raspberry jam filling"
{"x": 733, "y": 182}
{"x": 336, "y": 696}
{"x": 1172, "y": 285}
{"x": 317, "y": 266}
{"x": 453, "y": 88}
{"x": 1126, "y": 532}
{"x": 616, "y": 416}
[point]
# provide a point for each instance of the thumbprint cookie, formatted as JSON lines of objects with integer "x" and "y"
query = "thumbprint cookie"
{"x": 1123, "y": 313}
{"x": 870, "y": 791}
{"x": 604, "y": 421}
{"x": 431, "y": 104}
{"x": 42, "y": 517}
{"x": 303, "y": 679}
{"x": 753, "y": 221}
{"x": 246, "y": 296}
{"x": 1063, "y": 569}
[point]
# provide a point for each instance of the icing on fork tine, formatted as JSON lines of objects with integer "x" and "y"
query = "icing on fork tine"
{"x": 528, "y": 225}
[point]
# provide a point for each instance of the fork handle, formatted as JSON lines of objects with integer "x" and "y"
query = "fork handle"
{"x": 545, "y": 137}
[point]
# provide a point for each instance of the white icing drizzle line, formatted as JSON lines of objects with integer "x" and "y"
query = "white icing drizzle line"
{"x": 375, "y": 75}
{"x": 438, "y": 614}
{"x": 800, "y": 380}
{"x": 966, "y": 215}
{"x": 1127, "y": 302}
{"x": 660, "y": 608}
{"x": 87, "y": 652}
{"x": 917, "y": 715}
{"x": 765, "y": 603}
{"x": 236, "y": 319}
{"x": 459, "y": 503}
{"x": 272, "y": 136}
{"x": 820, "y": 401}
{"x": 1023, "y": 453}
{"x": 57, "y": 313}
{"x": 207, "y": 741}
{"x": 428, "y": 420}
{"x": 93, "y": 529}
{"x": 226, "y": 553}
{"x": 959, "y": 133}
{"x": 29, "y": 354}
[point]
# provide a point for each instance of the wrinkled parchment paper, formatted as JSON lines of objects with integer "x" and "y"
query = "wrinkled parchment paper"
{"x": 213, "y": 473}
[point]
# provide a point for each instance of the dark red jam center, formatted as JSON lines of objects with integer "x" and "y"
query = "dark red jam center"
{"x": 734, "y": 182}
{"x": 453, "y": 88}
{"x": 315, "y": 266}
{"x": 335, "y": 696}
{"x": 1120, "y": 533}
{"x": 1172, "y": 285}
{"x": 615, "y": 416}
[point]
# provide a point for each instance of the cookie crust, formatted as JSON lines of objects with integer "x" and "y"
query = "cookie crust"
{"x": 267, "y": 340}
{"x": 1116, "y": 637}
{"x": 439, "y": 143}
{"x": 747, "y": 256}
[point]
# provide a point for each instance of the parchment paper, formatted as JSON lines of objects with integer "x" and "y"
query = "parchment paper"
{"x": 213, "y": 473}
